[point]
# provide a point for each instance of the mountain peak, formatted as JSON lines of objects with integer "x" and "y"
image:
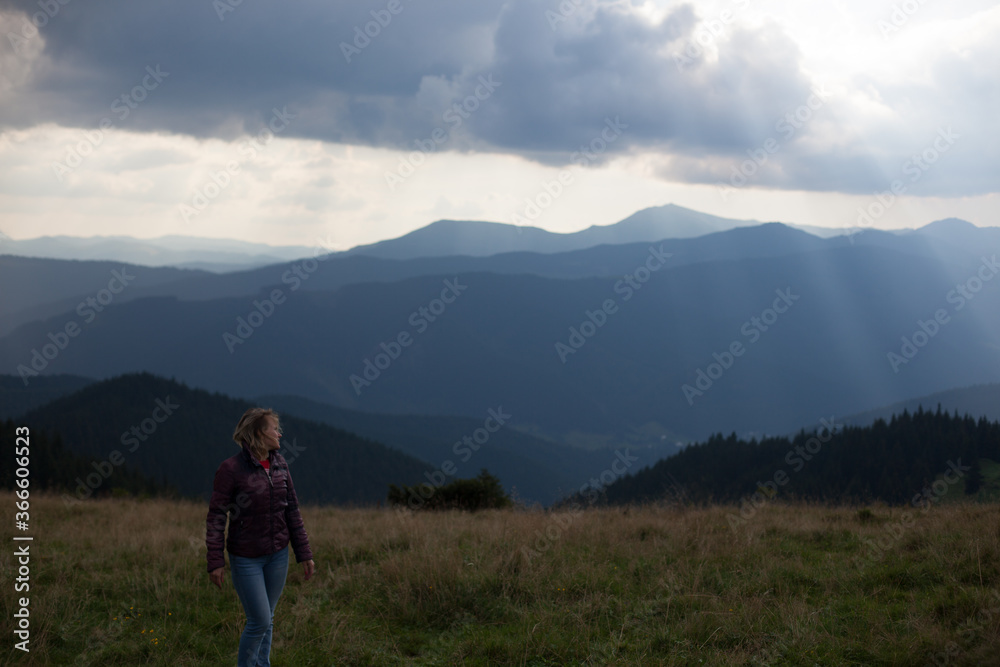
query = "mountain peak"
{"x": 482, "y": 239}
{"x": 947, "y": 226}
{"x": 684, "y": 222}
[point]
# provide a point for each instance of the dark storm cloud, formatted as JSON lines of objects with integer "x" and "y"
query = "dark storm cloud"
{"x": 233, "y": 70}
{"x": 558, "y": 84}
{"x": 560, "y": 76}
{"x": 563, "y": 83}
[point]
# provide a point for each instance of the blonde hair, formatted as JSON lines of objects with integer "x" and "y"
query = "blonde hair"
{"x": 249, "y": 427}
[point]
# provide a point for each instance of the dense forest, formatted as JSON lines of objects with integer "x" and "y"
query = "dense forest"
{"x": 168, "y": 431}
{"x": 53, "y": 468}
{"x": 892, "y": 461}
{"x": 87, "y": 444}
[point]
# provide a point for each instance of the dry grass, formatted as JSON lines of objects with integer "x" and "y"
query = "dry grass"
{"x": 124, "y": 583}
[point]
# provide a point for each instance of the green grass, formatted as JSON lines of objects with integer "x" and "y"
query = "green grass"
{"x": 122, "y": 582}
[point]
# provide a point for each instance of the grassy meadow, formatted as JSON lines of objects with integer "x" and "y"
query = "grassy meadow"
{"x": 124, "y": 582}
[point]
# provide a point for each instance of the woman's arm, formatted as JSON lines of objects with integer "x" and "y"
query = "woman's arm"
{"x": 297, "y": 529}
{"x": 215, "y": 523}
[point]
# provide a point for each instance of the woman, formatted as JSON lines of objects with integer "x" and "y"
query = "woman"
{"x": 254, "y": 488}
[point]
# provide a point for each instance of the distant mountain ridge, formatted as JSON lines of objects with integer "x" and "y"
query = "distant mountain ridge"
{"x": 437, "y": 239}
{"x": 17, "y": 399}
{"x": 56, "y": 287}
{"x": 195, "y": 252}
{"x": 977, "y": 401}
{"x": 443, "y": 238}
{"x": 861, "y": 297}
{"x": 495, "y": 344}
{"x": 539, "y": 470}
{"x": 482, "y": 239}
{"x": 48, "y": 287}
{"x": 536, "y": 470}
{"x": 38, "y": 288}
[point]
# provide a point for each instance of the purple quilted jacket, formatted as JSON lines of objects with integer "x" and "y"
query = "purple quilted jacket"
{"x": 263, "y": 512}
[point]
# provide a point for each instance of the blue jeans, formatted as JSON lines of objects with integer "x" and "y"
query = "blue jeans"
{"x": 258, "y": 583}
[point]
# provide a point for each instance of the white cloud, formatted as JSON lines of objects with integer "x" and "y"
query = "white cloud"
{"x": 751, "y": 63}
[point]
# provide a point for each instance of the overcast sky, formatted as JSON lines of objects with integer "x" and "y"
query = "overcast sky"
{"x": 287, "y": 122}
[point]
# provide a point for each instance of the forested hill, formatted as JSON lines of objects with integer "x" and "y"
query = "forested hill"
{"x": 889, "y": 461}
{"x": 52, "y": 468}
{"x": 168, "y": 431}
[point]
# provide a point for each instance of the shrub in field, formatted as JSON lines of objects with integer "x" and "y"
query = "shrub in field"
{"x": 482, "y": 492}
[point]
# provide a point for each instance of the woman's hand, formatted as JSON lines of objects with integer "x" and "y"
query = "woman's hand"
{"x": 308, "y": 567}
{"x": 216, "y": 576}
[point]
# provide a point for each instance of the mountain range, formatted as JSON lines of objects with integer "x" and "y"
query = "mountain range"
{"x": 482, "y": 239}
{"x": 757, "y": 329}
{"x": 47, "y": 288}
{"x": 181, "y": 434}
{"x": 93, "y": 419}
{"x": 438, "y": 239}
{"x": 217, "y": 255}
{"x": 167, "y": 431}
